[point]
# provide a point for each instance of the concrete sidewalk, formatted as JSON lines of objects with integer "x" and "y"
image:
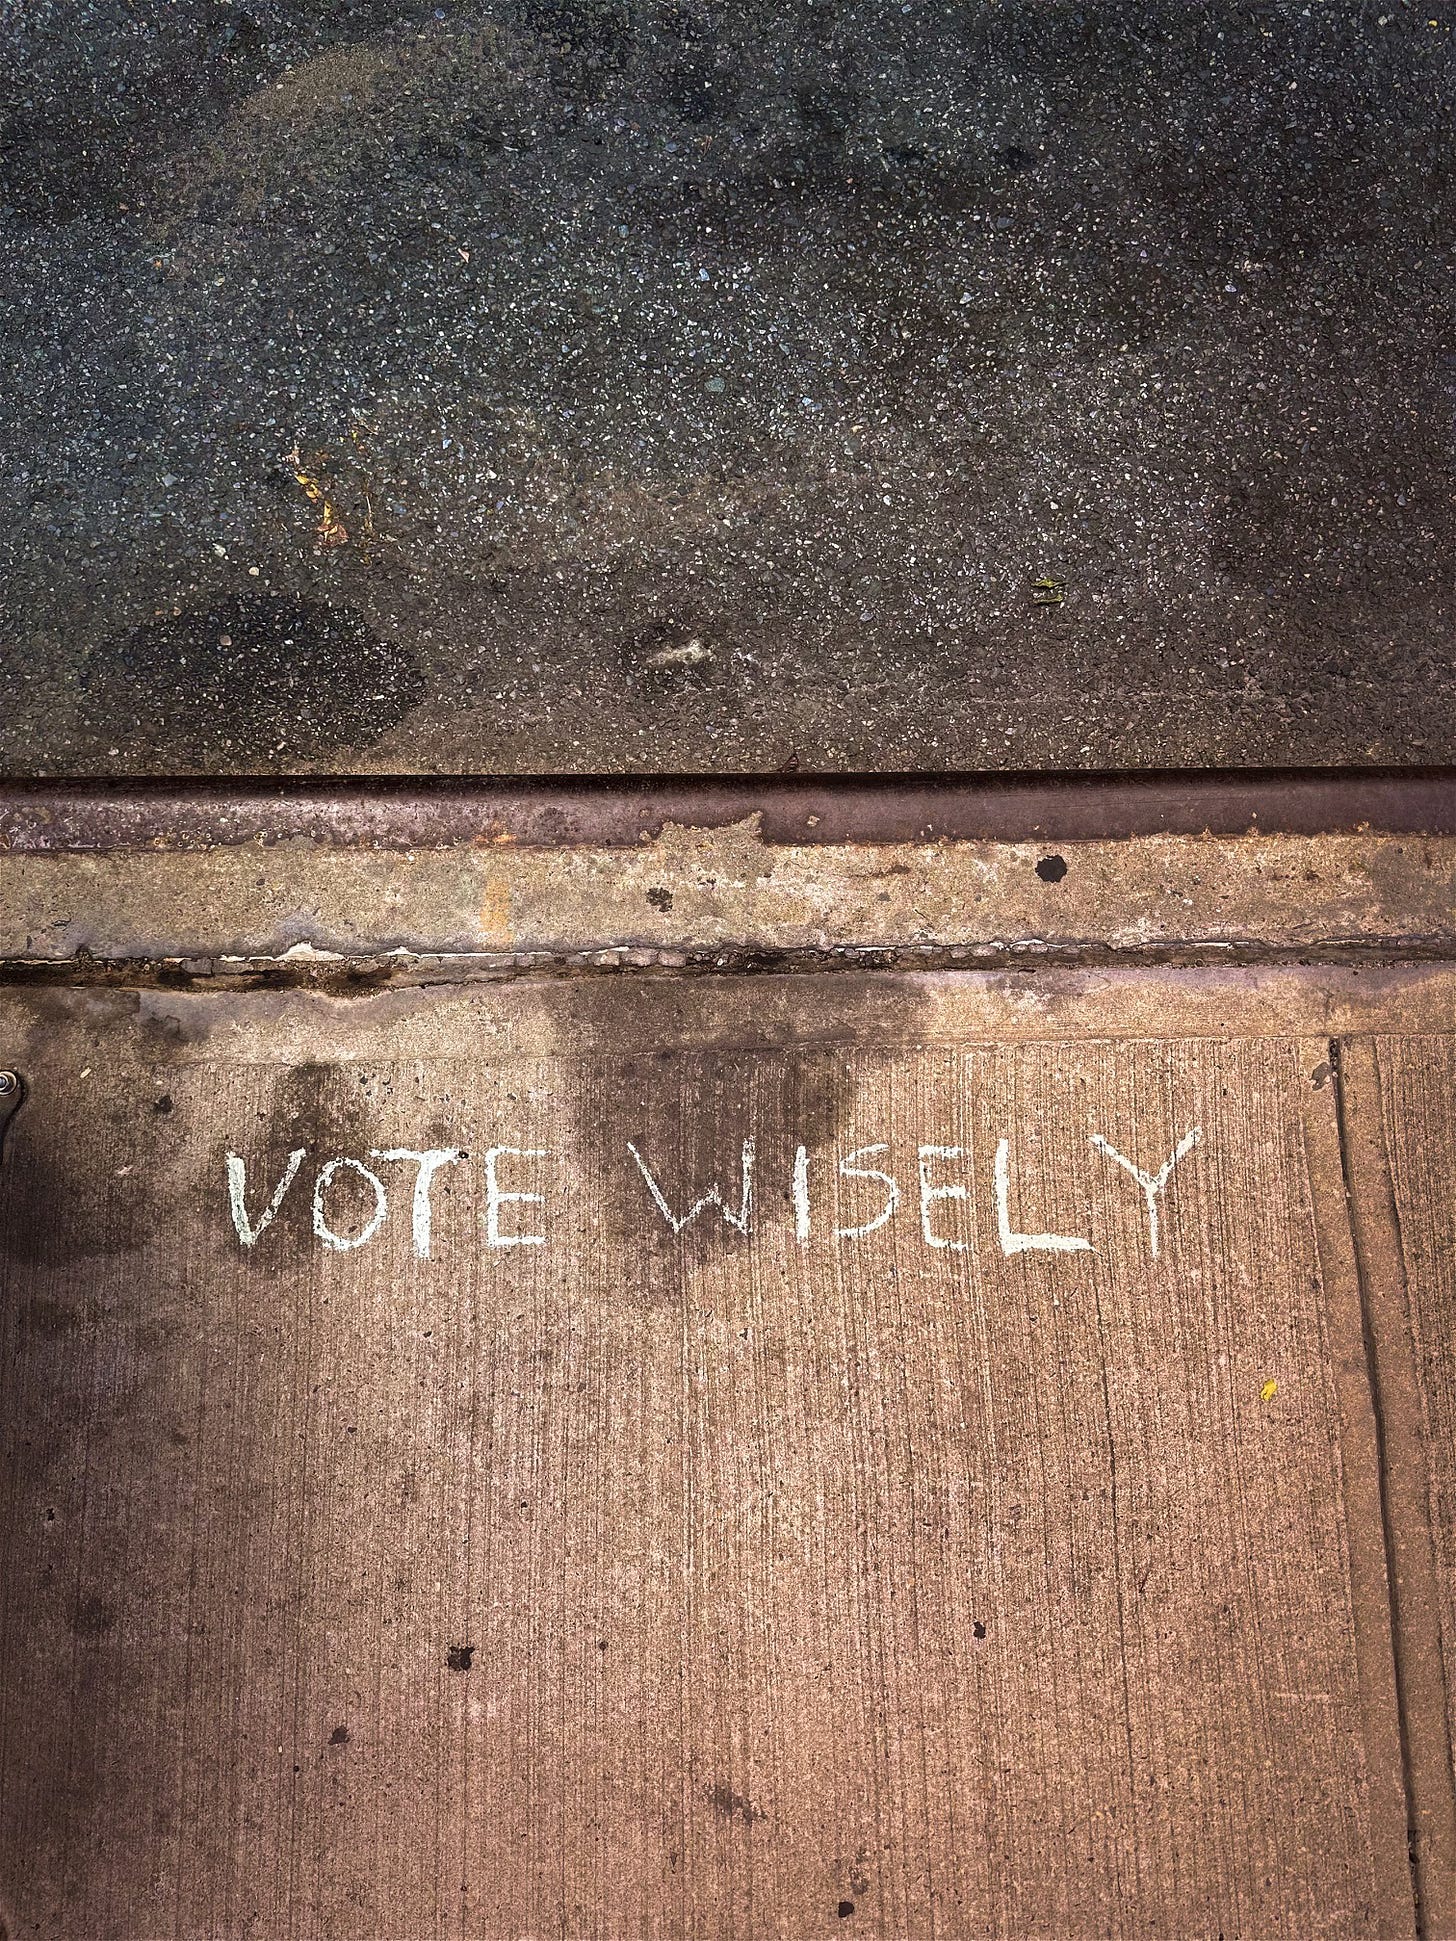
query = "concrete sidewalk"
{"x": 952, "y": 1454}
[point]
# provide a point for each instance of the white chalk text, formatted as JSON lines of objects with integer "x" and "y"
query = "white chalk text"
{"x": 953, "y": 1203}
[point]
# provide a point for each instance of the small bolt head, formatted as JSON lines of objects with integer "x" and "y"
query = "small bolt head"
{"x": 9, "y": 1083}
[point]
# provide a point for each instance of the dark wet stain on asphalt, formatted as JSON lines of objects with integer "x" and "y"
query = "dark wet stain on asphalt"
{"x": 255, "y": 677}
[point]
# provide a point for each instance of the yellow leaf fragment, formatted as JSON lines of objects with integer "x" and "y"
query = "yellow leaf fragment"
{"x": 331, "y": 530}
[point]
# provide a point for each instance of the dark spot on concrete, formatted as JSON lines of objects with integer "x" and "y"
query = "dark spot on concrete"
{"x": 460, "y": 1657}
{"x": 324, "y": 1109}
{"x": 255, "y": 678}
{"x": 1014, "y": 157}
{"x": 47, "y": 1317}
{"x": 163, "y": 1104}
{"x": 734, "y": 1806}
{"x": 978, "y": 1629}
{"x": 57, "y": 1206}
{"x": 1320, "y": 1076}
{"x": 660, "y": 899}
{"x": 859, "y": 1885}
{"x": 93, "y": 1618}
{"x": 339, "y": 1736}
{"x": 845, "y": 1909}
{"x": 1051, "y": 869}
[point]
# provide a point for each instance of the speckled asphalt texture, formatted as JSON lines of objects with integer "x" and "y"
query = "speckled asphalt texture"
{"x": 590, "y": 387}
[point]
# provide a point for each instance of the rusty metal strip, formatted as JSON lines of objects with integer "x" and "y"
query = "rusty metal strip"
{"x": 409, "y": 813}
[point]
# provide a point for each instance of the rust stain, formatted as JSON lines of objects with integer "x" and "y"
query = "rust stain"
{"x": 497, "y": 923}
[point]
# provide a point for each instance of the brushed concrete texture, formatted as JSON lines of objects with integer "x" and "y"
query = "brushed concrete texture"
{"x": 1399, "y": 1165}
{"x": 554, "y": 385}
{"x": 758, "y": 1579}
{"x": 1415, "y": 1075}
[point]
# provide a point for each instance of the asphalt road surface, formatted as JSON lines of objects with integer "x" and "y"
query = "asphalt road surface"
{"x": 529, "y": 387}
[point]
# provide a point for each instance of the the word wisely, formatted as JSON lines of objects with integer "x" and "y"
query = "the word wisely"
{"x": 517, "y": 1183}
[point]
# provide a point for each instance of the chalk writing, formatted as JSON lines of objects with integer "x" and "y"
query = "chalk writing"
{"x": 713, "y": 1196}
{"x": 341, "y": 1243}
{"x": 849, "y": 1170}
{"x": 517, "y": 1178}
{"x": 1152, "y": 1184}
{"x": 429, "y": 1163}
{"x": 930, "y": 1193}
{"x": 237, "y": 1178}
{"x": 496, "y": 1197}
{"x": 1026, "y": 1243}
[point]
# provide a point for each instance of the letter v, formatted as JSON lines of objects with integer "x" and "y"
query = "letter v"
{"x": 237, "y": 1177}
